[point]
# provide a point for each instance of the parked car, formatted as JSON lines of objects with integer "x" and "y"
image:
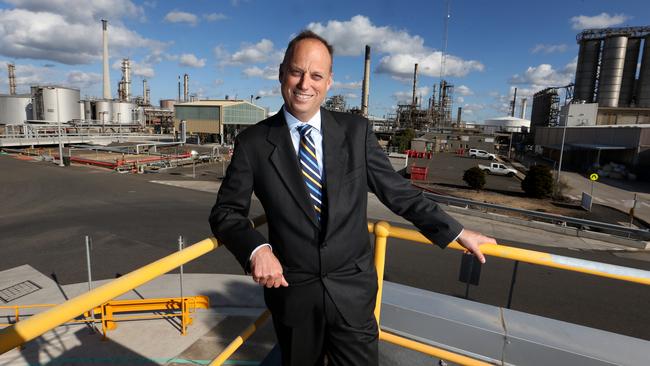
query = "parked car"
{"x": 476, "y": 153}
{"x": 498, "y": 168}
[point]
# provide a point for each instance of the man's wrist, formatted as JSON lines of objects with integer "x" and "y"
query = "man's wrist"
{"x": 258, "y": 248}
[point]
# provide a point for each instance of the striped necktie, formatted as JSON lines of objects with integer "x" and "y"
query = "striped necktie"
{"x": 309, "y": 167}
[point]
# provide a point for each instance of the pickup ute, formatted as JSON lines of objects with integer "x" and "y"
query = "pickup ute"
{"x": 498, "y": 168}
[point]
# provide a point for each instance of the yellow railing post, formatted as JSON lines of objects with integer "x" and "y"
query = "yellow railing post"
{"x": 235, "y": 344}
{"x": 382, "y": 231}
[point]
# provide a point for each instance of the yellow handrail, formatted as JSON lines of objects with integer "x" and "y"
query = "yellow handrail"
{"x": 539, "y": 258}
{"x": 38, "y": 324}
{"x": 237, "y": 342}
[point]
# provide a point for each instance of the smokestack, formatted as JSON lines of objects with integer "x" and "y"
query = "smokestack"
{"x": 523, "y": 108}
{"x": 514, "y": 103}
{"x": 186, "y": 88}
{"x": 12, "y": 78}
{"x": 366, "y": 83}
{"x": 415, "y": 83}
{"x": 107, "y": 78}
{"x": 179, "y": 89}
{"x": 126, "y": 80}
{"x": 145, "y": 92}
{"x": 458, "y": 117}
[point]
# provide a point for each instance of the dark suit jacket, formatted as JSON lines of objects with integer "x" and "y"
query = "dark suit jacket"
{"x": 337, "y": 252}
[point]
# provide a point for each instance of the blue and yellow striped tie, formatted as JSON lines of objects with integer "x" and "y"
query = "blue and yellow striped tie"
{"x": 309, "y": 167}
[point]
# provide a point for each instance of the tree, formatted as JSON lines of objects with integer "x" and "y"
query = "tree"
{"x": 538, "y": 182}
{"x": 475, "y": 178}
{"x": 403, "y": 139}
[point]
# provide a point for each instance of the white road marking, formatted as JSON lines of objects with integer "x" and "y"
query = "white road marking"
{"x": 599, "y": 200}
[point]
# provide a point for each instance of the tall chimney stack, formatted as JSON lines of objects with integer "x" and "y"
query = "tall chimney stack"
{"x": 179, "y": 88}
{"x": 186, "y": 88}
{"x": 415, "y": 83}
{"x": 12, "y": 78}
{"x": 145, "y": 92}
{"x": 107, "y": 78}
{"x": 366, "y": 83}
{"x": 459, "y": 116}
{"x": 523, "y": 108}
{"x": 514, "y": 103}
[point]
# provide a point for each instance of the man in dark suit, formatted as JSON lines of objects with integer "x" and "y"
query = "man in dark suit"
{"x": 312, "y": 169}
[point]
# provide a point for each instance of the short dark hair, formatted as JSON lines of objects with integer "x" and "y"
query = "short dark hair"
{"x": 307, "y": 34}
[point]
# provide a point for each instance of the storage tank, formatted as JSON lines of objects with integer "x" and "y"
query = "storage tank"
{"x": 15, "y": 109}
{"x": 508, "y": 124}
{"x": 55, "y": 103}
{"x": 167, "y": 104}
{"x": 103, "y": 109}
{"x": 586, "y": 70}
{"x": 88, "y": 110}
{"x": 629, "y": 72}
{"x": 611, "y": 71}
{"x": 643, "y": 92}
{"x": 82, "y": 110}
{"x": 122, "y": 112}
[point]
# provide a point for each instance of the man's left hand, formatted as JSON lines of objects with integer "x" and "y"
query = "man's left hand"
{"x": 471, "y": 240}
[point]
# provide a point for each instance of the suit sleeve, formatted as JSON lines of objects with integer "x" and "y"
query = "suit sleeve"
{"x": 229, "y": 217}
{"x": 403, "y": 199}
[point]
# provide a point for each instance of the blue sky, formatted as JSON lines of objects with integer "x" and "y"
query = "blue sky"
{"x": 233, "y": 47}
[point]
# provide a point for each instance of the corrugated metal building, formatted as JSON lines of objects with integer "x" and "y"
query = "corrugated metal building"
{"x": 217, "y": 120}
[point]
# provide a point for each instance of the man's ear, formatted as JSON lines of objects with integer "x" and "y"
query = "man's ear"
{"x": 330, "y": 80}
{"x": 280, "y": 72}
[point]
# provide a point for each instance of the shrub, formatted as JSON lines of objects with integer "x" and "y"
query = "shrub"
{"x": 538, "y": 182}
{"x": 474, "y": 177}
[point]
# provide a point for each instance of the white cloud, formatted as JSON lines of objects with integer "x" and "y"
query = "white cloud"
{"x": 218, "y": 82}
{"x": 81, "y": 11}
{"x": 405, "y": 97}
{"x": 262, "y": 51}
{"x": 182, "y": 17}
{"x": 269, "y": 72}
{"x": 83, "y": 80}
{"x": 60, "y": 37}
{"x": 190, "y": 60}
{"x": 349, "y": 38}
{"x": 401, "y": 65}
{"x": 463, "y": 90}
{"x": 351, "y": 96}
{"x": 602, "y": 20}
{"x": 544, "y": 75}
{"x": 213, "y": 17}
{"x": 460, "y": 100}
{"x": 269, "y": 92}
{"x": 549, "y": 48}
{"x": 348, "y": 85}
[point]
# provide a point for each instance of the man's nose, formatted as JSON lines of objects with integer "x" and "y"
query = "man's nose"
{"x": 303, "y": 83}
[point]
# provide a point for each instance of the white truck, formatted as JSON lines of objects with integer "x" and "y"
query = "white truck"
{"x": 476, "y": 153}
{"x": 498, "y": 169}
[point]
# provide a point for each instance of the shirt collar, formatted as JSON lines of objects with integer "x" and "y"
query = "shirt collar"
{"x": 293, "y": 122}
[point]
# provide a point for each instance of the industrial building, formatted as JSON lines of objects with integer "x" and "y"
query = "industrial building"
{"x": 217, "y": 120}
{"x": 454, "y": 140}
{"x": 606, "y": 115}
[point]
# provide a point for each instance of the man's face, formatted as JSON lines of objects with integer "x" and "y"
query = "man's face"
{"x": 305, "y": 78}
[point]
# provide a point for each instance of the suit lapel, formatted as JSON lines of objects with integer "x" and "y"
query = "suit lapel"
{"x": 284, "y": 160}
{"x": 335, "y": 155}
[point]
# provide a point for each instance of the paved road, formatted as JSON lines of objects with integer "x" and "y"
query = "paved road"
{"x": 47, "y": 210}
{"x": 448, "y": 168}
{"x": 608, "y": 192}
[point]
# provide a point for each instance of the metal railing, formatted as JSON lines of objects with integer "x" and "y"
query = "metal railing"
{"x": 38, "y": 324}
{"x": 580, "y": 224}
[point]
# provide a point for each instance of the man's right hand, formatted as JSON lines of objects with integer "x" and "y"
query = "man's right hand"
{"x": 266, "y": 269}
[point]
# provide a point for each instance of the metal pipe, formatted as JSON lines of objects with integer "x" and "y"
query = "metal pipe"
{"x": 514, "y": 103}
{"x": 381, "y": 231}
{"x": 366, "y": 83}
{"x": 430, "y": 350}
{"x": 186, "y": 88}
{"x": 237, "y": 342}
{"x": 415, "y": 83}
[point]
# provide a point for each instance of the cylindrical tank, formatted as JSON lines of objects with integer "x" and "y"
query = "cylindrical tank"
{"x": 82, "y": 110}
{"x": 611, "y": 71}
{"x": 508, "y": 124}
{"x": 167, "y": 104}
{"x": 88, "y": 110}
{"x": 629, "y": 72}
{"x": 643, "y": 91}
{"x": 122, "y": 112}
{"x": 15, "y": 109}
{"x": 56, "y": 104}
{"x": 103, "y": 109}
{"x": 586, "y": 70}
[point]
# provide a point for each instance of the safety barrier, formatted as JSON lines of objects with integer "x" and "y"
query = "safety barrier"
{"x": 40, "y": 323}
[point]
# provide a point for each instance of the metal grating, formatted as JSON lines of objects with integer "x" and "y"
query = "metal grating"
{"x": 18, "y": 290}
